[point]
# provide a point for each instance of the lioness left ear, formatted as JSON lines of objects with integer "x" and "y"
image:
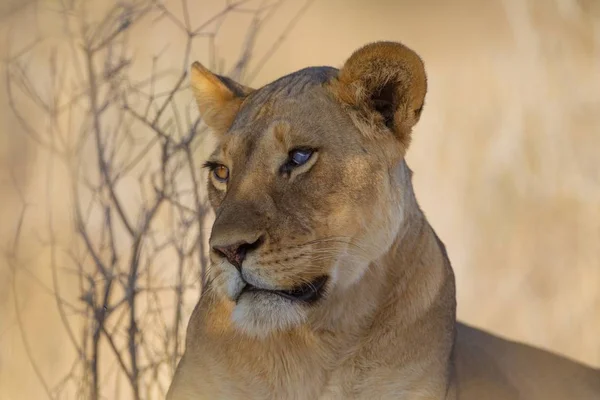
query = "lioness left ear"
{"x": 383, "y": 85}
{"x": 219, "y": 98}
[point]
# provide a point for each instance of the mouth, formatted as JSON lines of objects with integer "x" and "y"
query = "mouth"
{"x": 305, "y": 293}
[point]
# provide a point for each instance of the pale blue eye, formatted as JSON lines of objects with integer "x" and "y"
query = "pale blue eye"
{"x": 299, "y": 157}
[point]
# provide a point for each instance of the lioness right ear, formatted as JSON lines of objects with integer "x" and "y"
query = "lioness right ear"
{"x": 218, "y": 97}
{"x": 383, "y": 86}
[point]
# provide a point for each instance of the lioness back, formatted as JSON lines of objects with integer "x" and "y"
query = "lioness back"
{"x": 490, "y": 367}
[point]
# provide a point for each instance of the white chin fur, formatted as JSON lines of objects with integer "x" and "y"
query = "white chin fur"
{"x": 260, "y": 314}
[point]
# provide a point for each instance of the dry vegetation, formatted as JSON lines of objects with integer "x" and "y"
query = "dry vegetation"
{"x": 101, "y": 244}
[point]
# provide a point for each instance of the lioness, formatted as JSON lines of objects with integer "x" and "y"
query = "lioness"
{"x": 326, "y": 280}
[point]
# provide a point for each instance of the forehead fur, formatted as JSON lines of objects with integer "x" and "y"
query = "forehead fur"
{"x": 261, "y": 102}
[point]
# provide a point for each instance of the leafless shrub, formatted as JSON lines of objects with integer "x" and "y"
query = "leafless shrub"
{"x": 137, "y": 254}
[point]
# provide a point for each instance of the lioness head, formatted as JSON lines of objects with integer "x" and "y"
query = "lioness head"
{"x": 307, "y": 181}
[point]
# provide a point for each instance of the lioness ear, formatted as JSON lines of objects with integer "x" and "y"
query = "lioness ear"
{"x": 383, "y": 85}
{"x": 218, "y": 97}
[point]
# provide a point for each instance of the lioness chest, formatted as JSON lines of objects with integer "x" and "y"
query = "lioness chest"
{"x": 297, "y": 374}
{"x": 342, "y": 384}
{"x": 383, "y": 383}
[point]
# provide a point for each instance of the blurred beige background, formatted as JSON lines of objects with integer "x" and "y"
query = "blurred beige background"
{"x": 506, "y": 160}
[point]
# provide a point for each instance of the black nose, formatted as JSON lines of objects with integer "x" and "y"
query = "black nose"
{"x": 236, "y": 253}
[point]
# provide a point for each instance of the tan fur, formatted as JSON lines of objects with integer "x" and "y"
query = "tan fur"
{"x": 386, "y": 326}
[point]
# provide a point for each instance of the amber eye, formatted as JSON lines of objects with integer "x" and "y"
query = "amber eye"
{"x": 221, "y": 173}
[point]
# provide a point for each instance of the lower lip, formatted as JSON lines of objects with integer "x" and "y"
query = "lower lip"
{"x": 313, "y": 295}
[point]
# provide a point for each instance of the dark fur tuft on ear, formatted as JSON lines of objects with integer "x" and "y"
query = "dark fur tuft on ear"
{"x": 219, "y": 98}
{"x": 383, "y": 86}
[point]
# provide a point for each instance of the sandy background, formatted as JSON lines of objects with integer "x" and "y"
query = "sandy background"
{"x": 506, "y": 160}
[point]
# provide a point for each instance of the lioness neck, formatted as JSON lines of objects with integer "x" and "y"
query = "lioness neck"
{"x": 399, "y": 319}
